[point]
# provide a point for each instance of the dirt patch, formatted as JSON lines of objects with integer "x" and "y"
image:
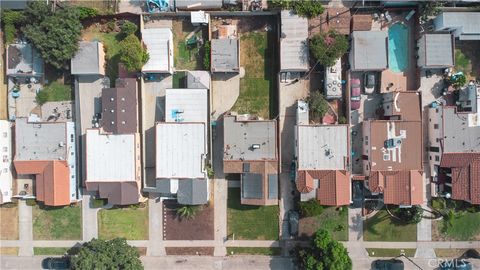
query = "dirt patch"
{"x": 198, "y": 228}
{"x": 202, "y": 251}
{"x": 9, "y": 223}
{"x": 470, "y": 50}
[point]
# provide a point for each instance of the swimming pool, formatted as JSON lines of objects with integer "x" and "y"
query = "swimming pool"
{"x": 398, "y": 47}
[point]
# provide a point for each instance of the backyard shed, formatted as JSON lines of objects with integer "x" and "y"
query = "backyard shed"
{"x": 89, "y": 59}
{"x": 293, "y": 42}
{"x": 436, "y": 51}
{"x": 369, "y": 50}
{"x": 225, "y": 55}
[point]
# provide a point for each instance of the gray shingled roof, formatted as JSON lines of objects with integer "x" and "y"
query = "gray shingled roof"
{"x": 369, "y": 50}
{"x": 225, "y": 55}
{"x": 439, "y": 50}
{"x": 86, "y": 59}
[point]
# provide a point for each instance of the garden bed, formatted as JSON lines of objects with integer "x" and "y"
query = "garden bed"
{"x": 200, "y": 227}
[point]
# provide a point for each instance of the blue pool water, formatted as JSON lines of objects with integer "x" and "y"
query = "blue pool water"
{"x": 398, "y": 47}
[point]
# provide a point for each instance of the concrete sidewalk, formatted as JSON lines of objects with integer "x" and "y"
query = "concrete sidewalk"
{"x": 25, "y": 229}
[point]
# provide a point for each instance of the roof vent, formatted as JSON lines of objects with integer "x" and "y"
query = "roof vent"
{"x": 123, "y": 99}
{"x": 123, "y": 110}
{"x": 123, "y": 122}
{"x": 61, "y": 144}
{"x": 112, "y": 99}
{"x": 112, "y": 111}
{"x": 256, "y": 146}
{"x": 113, "y": 122}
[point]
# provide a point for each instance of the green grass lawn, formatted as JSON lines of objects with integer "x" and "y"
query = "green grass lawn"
{"x": 331, "y": 219}
{"x": 462, "y": 63}
{"x": 251, "y": 222}
{"x": 57, "y": 223}
{"x": 58, "y": 91}
{"x": 129, "y": 223}
{"x": 389, "y": 252}
{"x": 266, "y": 251}
{"x": 465, "y": 226}
{"x": 382, "y": 228}
{"x": 49, "y": 250}
{"x": 179, "y": 80}
{"x": 186, "y": 57}
{"x": 257, "y": 87}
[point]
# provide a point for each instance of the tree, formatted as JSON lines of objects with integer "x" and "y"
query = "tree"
{"x": 311, "y": 208}
{"x": 412, "y": 215}
{"x": 317, "y": 104}
{"x": 128, "y": 28}
{"x": 87, "y": 12}
{"x": 132, "y": 53}
{"x": 187, "y": 211}
{"x": 107, "y": 254}
{"x": 325, "y": 253}
{"x": 326, "y": 48}
{"x": 11, "y": 21}
{"x": 54, "y": 35}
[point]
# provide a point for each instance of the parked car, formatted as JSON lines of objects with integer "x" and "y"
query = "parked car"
{"x": 455, "y": 264}
{"x": 56, "y": 263}
{"x": 392, "y": 264}
{"x": 369, "y": 82}
{"x": 293, "y": 169}
{"x": 355, "y": 93}
{"x": 293, "y": 218}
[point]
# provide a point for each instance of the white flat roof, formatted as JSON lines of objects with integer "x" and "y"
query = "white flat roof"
{"x": 110, "y": 157}
{"x": 5, "y": 163}
{"x": 333, "y": 80}
{"x": 159, "y": 42}
{"x": 293, "y": 43}
{"x": 322, "y": 147}
{"x": 186, "y": 105}
{"x": 180, "y": 150}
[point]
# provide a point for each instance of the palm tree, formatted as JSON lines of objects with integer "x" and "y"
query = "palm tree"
{"x": 187, "y": 211}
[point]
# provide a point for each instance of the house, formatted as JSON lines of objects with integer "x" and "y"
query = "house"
{"x": 225, "y": 55}
{"x": 368, "y": 51}
{"x": 294, "y": 54}
{"x": 322, "y": 160}
{"x": 463, "y": 25}
{"x": 113, "y": 166}
{"x": 198, "y": 4}
{"x": 159, "y": 43}
{"x": 89, "y": 59}
{"x": 182, "y": 147}
{"x": 404, "y": 105}
{"x": 392, "y": 160}
{"x": 119, "y": 107}
{"x": 250, "y": 149}
{"x": 436, "y": 50}
{"x": 333, "y": 81}
{"x": 23, "y": 60}
{"x": 6, "y": 179}
{"x": 46, "y": 151}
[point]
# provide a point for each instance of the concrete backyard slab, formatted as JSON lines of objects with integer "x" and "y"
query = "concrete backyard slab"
{"x": 225, "y": 92}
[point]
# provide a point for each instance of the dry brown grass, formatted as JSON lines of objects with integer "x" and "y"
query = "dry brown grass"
{"x": 9, "y": 223}
{"x": 9, "y": 251}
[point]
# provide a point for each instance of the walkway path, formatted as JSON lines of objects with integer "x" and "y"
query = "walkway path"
{"x": 355, "y": 244}
{"x": 89, "y": 219}
{"x": 25, "y": 229}
{"x": 155, "y": 227}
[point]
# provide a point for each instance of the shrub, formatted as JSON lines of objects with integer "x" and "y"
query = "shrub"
{"x": 97, "y": 203}
{"x": 42, "y": 97}
{"x": 342, "y": 120}
{"x": 326, "y": 48}
{"x": 111, "y": 26}
{"x": 87, "y": 12}
{"x": 410, "y": 215}
{"x": 206, "y": 56}
{"x": 128, "y": 28}
{"x": 317, "y": 104}
{"x": 304, "y": 8}
{"x": 132, "y": 53}
{"x": 10, "y": 32}
{"x": 31, "y": 202}
{"x": 310, "y": 208}
{"x": 187, "y": 211}
{"x": 210, "y": 171}
{"x": 11, "y": 20}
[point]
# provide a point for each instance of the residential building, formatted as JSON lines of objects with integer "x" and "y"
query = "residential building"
{"x": 436, "y": 50}
{"x": 293, "y": 42}
{"x": 89, "y": 59}
{"x": 250, "y": 149}
{"x": 225, "y": 55}
{"x": 113, "y": 166}
{"x": 368, "y": 51}
{"x": 333, "y": 81}
{"x": 6, "y": 180}
{"x": 182, "y": 147}
{"x": 463, "y": 25}
{"x": 47, "y": 151}
{"x": 322, "y": 160}
{"x": 120, "y": 108}
{"x": 23, "y": 61}
{"x": 404, "y": 105}
{"x": 159, "y": 43}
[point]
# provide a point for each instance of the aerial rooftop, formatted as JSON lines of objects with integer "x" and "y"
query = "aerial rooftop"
{"x": 186, "y": 105}
{"x": 369, "y": 50}
{"x": 89, "y": 59}
{"x": 23, "y": 59}
{"x": 458, "y": 136}
{"x": 293, "y": 42}
{"x": 225, "y": 56}
{"x": 159, "y": 43}
{"x": 119, "y": 107}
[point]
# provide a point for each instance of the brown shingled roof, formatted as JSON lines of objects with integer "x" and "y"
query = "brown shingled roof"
{"x": 398, "y": 187}
{"x": 465, "y": 175}
{"x": 334, "y": 185}
{"x": 119, "y": 107}
{"x": 52, "y": 180}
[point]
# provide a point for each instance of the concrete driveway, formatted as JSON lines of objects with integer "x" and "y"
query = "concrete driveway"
{"x": 225, "y": 91}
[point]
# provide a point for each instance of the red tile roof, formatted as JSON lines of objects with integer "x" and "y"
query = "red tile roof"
{"x": 465, "y": 175}
{"x": 52, "y": 180}
{"x": 334, "y": 185}
{"x": 398, "y": 187}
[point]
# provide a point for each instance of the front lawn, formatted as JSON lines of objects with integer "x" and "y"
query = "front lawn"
{"x": 9, "y": 222}
{"x": 390, "y": 252}
{"x": 249, "y": 222}
{"x": 382, "y": 227}
{"x": 50, "y": 250}
{"x": 463, "y": 225}
{"x": 57, "y": 223}
{"x": 129, "y": 223}
{"x": 331, "y": 219}
{"x": 256, "y": 87}
{"x": 265, "y": 251}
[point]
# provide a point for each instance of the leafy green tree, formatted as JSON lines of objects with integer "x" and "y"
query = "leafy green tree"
{"x": 318, "y": 104}
{"x": 413, "y": 214}
{"x": 311, "y": 208}
{"x": 128, "y": 28}
{"x": 54, "y": 35}
{"x": 188, "y": 211}
{"x": 11, "y": 21}
{"x": 325, "y": 253}
{"x": 132, "y": 53}
{"x": 326, "y": 48}
{"x": 304, "y": 8}
{"x": 107, "y": 254}
{"x": 87, "y": 12}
